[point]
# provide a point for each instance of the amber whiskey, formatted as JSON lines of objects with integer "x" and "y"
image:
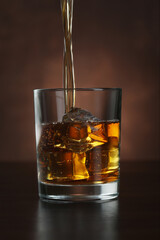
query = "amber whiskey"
{"x": 79, "y": 152}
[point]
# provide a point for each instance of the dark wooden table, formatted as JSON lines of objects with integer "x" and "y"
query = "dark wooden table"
{"x": 134, "y": 215}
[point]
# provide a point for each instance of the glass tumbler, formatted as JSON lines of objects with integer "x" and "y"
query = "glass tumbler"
{"x": 78, "y": 152}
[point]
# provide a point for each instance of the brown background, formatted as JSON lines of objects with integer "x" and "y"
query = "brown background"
{"x": 115, "y": 43}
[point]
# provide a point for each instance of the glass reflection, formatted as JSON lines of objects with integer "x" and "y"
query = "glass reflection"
{"x": 77, "y": 221}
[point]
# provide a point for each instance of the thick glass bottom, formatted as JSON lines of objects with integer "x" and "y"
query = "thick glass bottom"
{"x": 78, "y": 193}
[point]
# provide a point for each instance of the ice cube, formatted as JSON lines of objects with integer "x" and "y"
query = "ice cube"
{"x": 77, "y": 139}
{"x": 81, "y": 136}
{"x": 113, "y": 159}
{"x": 56, "y": 165}
{"x": 79, "y": 168}
{"x": 113, "y": 129}
{"x": 77, "y": 131}
{"x": 113, "y": 142}
{"x": 53, "y": 135}
{"x": 79, "y": 115}
{"x": 97, "y": 160}
{"x": 98, "y": 132}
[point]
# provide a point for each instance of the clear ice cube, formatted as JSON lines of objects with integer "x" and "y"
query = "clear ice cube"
{"x": 98, "y": 132}
{"x": 79, "y": 168}
{"x": 79, "y": 115}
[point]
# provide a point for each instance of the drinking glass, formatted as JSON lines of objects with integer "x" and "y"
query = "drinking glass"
{"x": 78, "y": 152}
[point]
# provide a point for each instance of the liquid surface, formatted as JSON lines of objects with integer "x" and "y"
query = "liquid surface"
{"x": 79, "y": 152}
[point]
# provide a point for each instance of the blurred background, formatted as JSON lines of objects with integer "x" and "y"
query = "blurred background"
{"x": 115, "y": 44}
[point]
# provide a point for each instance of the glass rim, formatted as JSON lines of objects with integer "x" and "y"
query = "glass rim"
{"x": 77, "y": 89}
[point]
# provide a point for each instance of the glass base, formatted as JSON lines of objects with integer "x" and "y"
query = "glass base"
{"x": 78, "y": 193}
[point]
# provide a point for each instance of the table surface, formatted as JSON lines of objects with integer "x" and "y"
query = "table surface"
{"x": 134, "y": 215}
